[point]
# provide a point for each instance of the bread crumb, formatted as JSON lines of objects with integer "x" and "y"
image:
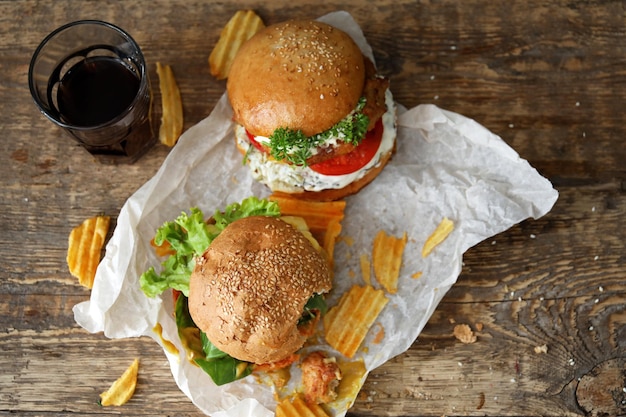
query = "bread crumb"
{"x": 481, "y": 400}
{"x": 464, "y": 333}
{"x": 541, "y": 349}
{"x": 479, "y": 327}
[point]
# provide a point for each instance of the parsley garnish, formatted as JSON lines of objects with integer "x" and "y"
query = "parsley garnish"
{"x": 296, "y": 148}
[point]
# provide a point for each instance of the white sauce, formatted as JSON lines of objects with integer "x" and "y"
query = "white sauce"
{"x": 280, "y": 176}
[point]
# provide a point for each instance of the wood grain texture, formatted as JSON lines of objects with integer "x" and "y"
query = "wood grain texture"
{"x": 549, "y": 77}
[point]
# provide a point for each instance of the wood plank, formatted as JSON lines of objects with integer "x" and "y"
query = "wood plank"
{"x": 547, "y": 77}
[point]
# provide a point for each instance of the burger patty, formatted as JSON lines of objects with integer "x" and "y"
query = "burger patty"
{"x": 374, "y": 93}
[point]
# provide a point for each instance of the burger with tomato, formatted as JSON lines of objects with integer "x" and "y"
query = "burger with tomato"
{"x": 312, "y": 116}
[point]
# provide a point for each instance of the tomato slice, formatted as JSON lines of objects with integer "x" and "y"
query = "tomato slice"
{"x": 254, "y": 142}
{"x": 355, "y": 160}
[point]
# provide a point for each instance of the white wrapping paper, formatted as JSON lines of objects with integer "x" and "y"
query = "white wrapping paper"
{"x": 446, "y": 165}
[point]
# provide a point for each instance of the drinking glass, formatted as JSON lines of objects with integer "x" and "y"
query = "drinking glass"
{"x": 89, "y": 77}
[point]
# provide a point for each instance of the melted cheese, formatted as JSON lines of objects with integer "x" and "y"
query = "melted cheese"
{"x": 280, "y": 176}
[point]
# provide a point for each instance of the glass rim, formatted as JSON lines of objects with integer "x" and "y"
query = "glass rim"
{"x": 35, "y": 95}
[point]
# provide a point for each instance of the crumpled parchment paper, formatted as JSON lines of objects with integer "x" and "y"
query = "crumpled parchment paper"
{"x": 446, "y": 165}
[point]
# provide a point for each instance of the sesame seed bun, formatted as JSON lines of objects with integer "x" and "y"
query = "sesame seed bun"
{"x": 300, "y": 74}
{"x": 249, "y": 288}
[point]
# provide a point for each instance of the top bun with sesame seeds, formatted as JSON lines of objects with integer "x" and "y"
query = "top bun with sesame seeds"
{"x": 248, "y": 291}
{"x": 312, "y": 116}
{"x": 304, "y": 75}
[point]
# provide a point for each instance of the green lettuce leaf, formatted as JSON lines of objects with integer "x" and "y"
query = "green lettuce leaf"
{"x": 225, "y": 370}
{"x": 175, "y": 275}
{"x": 181, "y": 313}
{"x": 251, "y": 206}
{"x": 315, "y": 305}
{"x": 209, "y": 348}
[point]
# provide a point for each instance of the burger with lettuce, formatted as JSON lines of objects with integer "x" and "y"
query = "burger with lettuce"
{"x": 248, "y": 283}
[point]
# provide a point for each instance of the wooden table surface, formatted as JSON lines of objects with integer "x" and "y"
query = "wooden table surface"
{"x": 549, "y": 77}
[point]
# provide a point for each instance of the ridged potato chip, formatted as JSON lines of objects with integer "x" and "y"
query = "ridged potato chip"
{"x": 172, "y": 106}
{"x": 241, "y": 27}
{"x": 366, "y": 268}
{"x": 444, "y": 228}
{"x": 387, "y": 259}
{"x": 322, "y": 217}
{"x": 330, "y": 237}
{"x": 297, "y": 407}
{"x": 123, "y": 388}
{"x": 84, "y": 248}
{"x": 347, "y": 323}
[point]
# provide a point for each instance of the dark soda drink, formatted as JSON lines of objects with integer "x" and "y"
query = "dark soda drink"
{"x": 96, "y": 90}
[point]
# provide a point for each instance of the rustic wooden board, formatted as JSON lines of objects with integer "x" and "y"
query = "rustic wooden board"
{"x": 548, "y": 77}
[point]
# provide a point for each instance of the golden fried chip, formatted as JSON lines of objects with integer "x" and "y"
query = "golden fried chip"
{"x": 445, "y": 227}
{"x": 387, "y": 259}
{"x": 366, "y": 269}
{"x": 123, "y": 388}
{"x": 330, "y": 238}
{"x": 172, "y": 106}
{"x": 322, "y": 217}
{"x": 84, "y": 247}
{"x": 241, "y": 27}
{"x": 297, "y": 407}
{"x": 347, "y": 323}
